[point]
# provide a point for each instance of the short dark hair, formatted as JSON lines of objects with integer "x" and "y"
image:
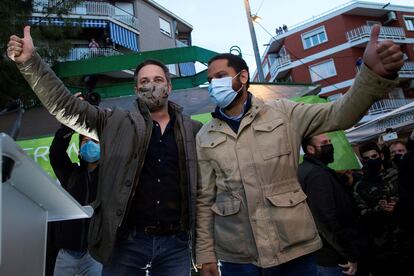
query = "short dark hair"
{"x": 152, "y": 62}
{"x": 305, "y": 143}
{"x": 234, "y": 61}
{"x": 367, "y": 147}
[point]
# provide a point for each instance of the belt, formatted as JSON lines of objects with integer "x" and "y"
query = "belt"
{"x": 157, "y": 230}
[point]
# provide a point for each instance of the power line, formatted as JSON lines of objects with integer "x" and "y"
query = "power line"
{"x": 260, "y": 6}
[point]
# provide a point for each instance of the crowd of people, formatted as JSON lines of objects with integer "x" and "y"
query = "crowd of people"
{"x": 227, "y": 195}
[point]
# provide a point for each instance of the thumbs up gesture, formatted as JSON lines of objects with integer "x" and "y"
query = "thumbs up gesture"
{"x": 384, "y": 58}
{"x": 20, "y": 49}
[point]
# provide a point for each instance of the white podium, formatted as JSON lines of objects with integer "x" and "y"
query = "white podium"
{"x": 28, "y": 200}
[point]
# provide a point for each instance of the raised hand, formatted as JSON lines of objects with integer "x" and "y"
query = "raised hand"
{"x": 384, "y": 58}
{"x": 20, "y": 49}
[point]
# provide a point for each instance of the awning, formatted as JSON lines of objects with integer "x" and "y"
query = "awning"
{"x": 86, "y": 23}
{"x": 124, "y": 37}
{"x": 399, "y": 120}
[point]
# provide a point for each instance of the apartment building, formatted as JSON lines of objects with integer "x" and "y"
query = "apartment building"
{"x": 118, "y": 27}
{"x": 328, "y": 49}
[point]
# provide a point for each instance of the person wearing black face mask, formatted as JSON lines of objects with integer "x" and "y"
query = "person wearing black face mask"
{"x": 376, "y": 195}
{"x": 332, "y": 207}
{"x": 403, "y": 157}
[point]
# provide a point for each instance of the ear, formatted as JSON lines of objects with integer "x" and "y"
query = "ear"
{"x": 310, "y": 149}
{"x": 169, "y": 88}
{"x": 244, "y": 76}
{"x": 136, "y": 90}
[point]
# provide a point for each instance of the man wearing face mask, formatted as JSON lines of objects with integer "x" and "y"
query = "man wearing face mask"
{"x": 145, "y": 205}
{"x": 376, "y": 195}
{"x": 81, "y": 181}
{"x": 404, "y": 161}
{"x": 252, "y": 214}
{"x": 332, "y": 208}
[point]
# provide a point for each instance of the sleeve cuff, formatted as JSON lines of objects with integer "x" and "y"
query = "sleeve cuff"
{"x": 372, "y": 79}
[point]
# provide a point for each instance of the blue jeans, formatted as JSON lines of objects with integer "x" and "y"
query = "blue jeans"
{"x": 302, "y": 266}
{"x": 330, "y": 271}
{"x": 139, "y": 254}
{"x": 71, "y": 262}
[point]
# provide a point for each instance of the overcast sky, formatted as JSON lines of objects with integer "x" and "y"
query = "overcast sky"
{"x": 220, "y": 24}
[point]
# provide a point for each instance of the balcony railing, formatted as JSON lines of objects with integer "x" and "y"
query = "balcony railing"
{"x": 95, "y": 8}
{"x": 279, "y": 63}
{"x": 364, "y": 31}
{"x": 407, "y": 69}
{"x": 85, "y": 53}
{"x": 387, "y": 105}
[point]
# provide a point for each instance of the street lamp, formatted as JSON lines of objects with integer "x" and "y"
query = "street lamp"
{"x": 254, "y": 41}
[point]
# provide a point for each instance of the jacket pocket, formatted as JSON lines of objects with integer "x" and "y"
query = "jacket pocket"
{"x": 272, "y": 138}
{"x": 222, "y": 160}
{"x": 293, "y": 219}
{"x": 228, "y": 228}
{"x": 95, "y": 226}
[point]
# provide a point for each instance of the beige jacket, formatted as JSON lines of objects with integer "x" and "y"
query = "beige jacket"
{"x": 250, "y": 207}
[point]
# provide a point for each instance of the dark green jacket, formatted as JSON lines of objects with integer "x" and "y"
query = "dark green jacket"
{"x": 124, "y": 137}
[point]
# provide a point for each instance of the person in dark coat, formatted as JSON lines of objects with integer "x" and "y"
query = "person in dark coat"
{"x": 332, "y": 207}
{"x": 70, "y": 237}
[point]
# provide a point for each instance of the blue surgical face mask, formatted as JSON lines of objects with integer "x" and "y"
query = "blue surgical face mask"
{"x": 221, "y": 91}
{"x": 90, "y": 152}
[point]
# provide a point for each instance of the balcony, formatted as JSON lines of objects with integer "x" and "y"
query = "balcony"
{"x": 276, "y": 69}
{"x": 407, "y": 71}
{"x": 387, "y": 105}
{"x": 362, "y": 34}
{"x": 86, "y": 53}
{"x": 91, "y": 8}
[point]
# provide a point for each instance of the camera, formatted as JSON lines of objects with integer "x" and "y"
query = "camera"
{"x": 92, "y": 97}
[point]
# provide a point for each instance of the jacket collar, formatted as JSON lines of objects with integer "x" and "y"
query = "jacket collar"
{"x": 218, "y": 125}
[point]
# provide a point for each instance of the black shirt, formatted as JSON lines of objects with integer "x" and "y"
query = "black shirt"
{"x": 158, "y": 197}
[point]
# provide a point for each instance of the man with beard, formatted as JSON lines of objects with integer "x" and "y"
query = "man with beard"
{"x": 376, "y": 195}
{"x": 252, "y": 214}
{"x": 145, "y": 203}
{"x": 332, "y": 208}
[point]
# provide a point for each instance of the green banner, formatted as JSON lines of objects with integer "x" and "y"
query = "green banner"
{"x": 38, "y": 150}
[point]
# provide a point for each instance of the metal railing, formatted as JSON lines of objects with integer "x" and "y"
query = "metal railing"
{"x": 407, "y": 68}
{"x": 86, "y": 53}
{"x": 385, "y": 33}
{"x": 279, "y": 63}
{"x": 94, "y": 8}
{"x": 387, "y": 105}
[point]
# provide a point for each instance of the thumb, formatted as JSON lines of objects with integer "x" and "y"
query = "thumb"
{"x": 26, "y": 33}
{"x": 375, "y": 31}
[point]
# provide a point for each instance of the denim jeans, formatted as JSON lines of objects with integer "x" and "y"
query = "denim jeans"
{"x": 140, "y": 254}
{"x": 330, "y": 271}
{"x": 302, "y": 266}
{"x": 71, "y": 263}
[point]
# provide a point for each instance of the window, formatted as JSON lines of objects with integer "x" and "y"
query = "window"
{"x": 124, "y": 8}
{"x": 314, "y": 37}
{"x": 372, "y": 23}
{"x": 165, "y": 27}
{"x": 322, "y": 70}
{"x": 409, "y": 22}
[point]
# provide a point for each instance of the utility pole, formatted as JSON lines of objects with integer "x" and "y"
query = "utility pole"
{"x": 254, "y": 42}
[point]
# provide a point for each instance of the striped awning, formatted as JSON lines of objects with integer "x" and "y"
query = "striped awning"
{"x": 84, "y": 23}
{"x": 123, "y": 37}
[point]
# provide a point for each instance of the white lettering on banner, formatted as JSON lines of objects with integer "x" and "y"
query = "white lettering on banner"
{"x": 394, "y": 121}
{"x": 41, "y": 152}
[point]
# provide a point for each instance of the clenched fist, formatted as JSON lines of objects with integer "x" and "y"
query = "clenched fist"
{"x": 20, "y": 49}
